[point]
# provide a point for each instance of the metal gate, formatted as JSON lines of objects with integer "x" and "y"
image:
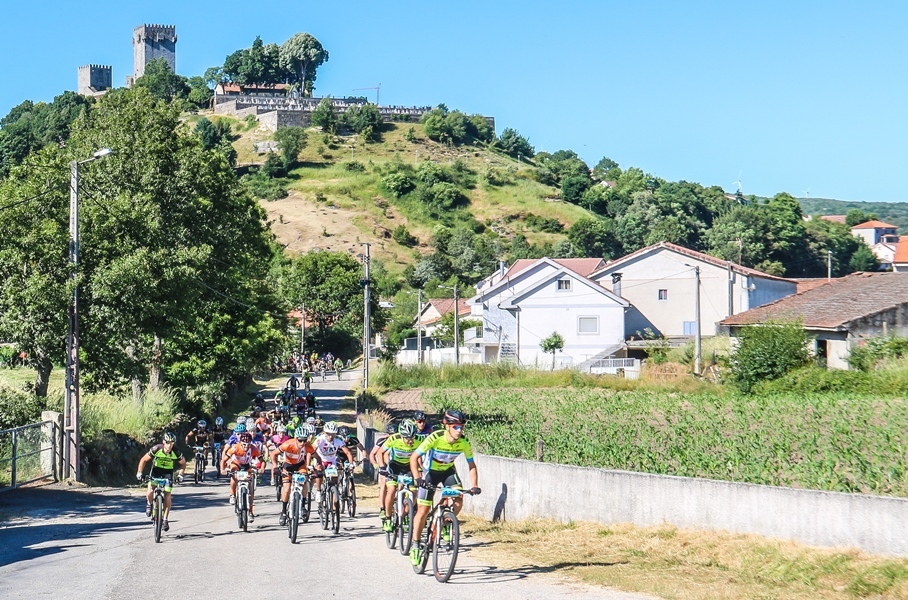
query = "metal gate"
{"x": 30, "y": 453}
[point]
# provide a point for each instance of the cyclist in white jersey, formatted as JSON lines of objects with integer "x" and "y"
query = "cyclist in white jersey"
{"x": 327, "y": 446}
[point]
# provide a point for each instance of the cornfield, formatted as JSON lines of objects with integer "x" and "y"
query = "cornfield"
{"x": 823, "y": 442}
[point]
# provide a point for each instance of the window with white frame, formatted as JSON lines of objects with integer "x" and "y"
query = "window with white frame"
{"x": 587, "y": 325}
{"x": 663, "y": 294}
{"x": 564, "y": 285}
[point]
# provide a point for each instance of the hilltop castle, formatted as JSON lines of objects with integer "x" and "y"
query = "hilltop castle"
{"x": 150, "y": 42}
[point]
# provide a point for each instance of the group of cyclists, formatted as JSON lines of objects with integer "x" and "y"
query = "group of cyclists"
{"x": 305, "y": 444}
{"x": 314, "y": 363}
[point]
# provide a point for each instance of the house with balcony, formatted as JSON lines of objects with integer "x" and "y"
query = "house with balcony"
{"x": 532, "y": 300}
{"x": 874, "y": 232}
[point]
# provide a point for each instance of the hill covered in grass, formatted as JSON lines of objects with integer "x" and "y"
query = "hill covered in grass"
{"x": 895, "y": 213}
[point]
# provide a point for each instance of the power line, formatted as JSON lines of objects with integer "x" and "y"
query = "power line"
{"x": 26, "y": 200}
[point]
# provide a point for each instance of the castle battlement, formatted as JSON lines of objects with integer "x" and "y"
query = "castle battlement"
{"x": 93, "y": 67}
{"x": 151, "y": 41}
{"x": 94, "y": 79}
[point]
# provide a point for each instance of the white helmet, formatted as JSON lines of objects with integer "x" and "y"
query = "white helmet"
{"x": 280, "y": 428}
{"x": 331, "y": 427}
{"x": 250, "y": 423}
{"x": 310, "y": 430}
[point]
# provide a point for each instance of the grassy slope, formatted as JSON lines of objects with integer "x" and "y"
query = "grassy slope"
{"x": 354, "y": 209}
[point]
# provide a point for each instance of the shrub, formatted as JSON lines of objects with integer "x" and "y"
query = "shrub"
{"x": 274, "y": 166}
{"x": 397, "y": 184}
{"x": 768, "y": 351}
{"x": 866, "y": 357}
{"x": 264, "y": 187}
{"x": 355, "y": 167}
{"x": 402, "y": 236}
{"x": 18, "y": 408}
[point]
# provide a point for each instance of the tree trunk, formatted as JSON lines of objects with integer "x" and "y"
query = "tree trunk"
{"x": 155, "y": 375}
{"x": 42, "y": 377}
{"x": 134, "y": 380}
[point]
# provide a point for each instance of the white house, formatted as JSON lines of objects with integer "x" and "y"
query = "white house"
{"x": 528, "y": 304}
{"x": 659, "y": 282}
{"x": 874, "y": 232}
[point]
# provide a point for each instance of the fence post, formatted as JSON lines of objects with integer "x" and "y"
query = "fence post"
{"x": 51, "y": 443}
{"x": 13, "y": 474}
{"x": 539, "y": 449}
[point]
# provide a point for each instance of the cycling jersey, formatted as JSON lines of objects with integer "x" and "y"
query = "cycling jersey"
{"x": 295, "y": 452}
{"x": 165, "y": 463}
{"x": 218, "y": 433}
{"x": 439, "y": 454}
{"x": 236, "y": 455}
{"x": 327, "y": 449}
{"x": 201, "y": 435}
{"x": 399, "y": 449}
{"x": 278, "y": 439}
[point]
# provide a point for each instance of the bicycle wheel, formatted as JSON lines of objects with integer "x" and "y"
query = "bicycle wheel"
{"x": 244, "y": 509}
{"x": 323, "y": 510}
{"x": 391, "y": 536}
{"x": 197, "y": 472}
{"x": 426, "y": 539}
{"x": 294, "y": 522}
{"x": 351, "y": 498}
{"x": 405, "y": 526}
{"x": 278, "y": 487}
{"x": 446, "y": 546}
{"x": 334, "y": 508}
{"x": 306, "y": 509}
{"x": 158, "y": 516}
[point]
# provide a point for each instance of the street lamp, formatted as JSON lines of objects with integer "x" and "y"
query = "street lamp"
{"x": 72, "y": 435}
{"x": 697, "y": 341}
{"x": 456, "y": 325}
{"x": 418, "y": 326}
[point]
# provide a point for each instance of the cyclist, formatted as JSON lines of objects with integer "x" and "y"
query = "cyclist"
{"x": 307, "y": 379}
{"x": 432, "y": 464}
{"x": 338, "y": 367}
{"x": 242, "y": 455}
{"x": 351, "y": 441}
{"x": 292, "y": 384}
{"x": 279, "y": 437}
{"x": 311, "y": 404}
{"x": 395, "y": 460}
{"x": 218, "y": 436}
{"x": 259, "y": 402}
{"x": 234, "y": 438}
{"x": 202, "y": 436}
{"x": 327, "y": 446}
{"x": 373, "y": 460}
{"x": 297, "y": 454}
{"x": 165, "y": 456}
{"x": 423, "y": 427}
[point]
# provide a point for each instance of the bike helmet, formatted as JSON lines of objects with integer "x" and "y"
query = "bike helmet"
{"x": 331, "y": 427}
{"x": 250, "y": 423}
{"x": 391, "y": 428}
{"x": 203, "y": 424}
{"x": 259, "y": 397}
{"x": 301, "y": 433}
{"x": 343, "y": 431}
{"x": 407, "y": 429}
{"x": 169, "y": 438}
{"x": 245, "y": 437}
{"x": 310, "y": 421}
{"x": 240, "y": 428}
{"x": 419, "y": 416}
{"x": 280, "y": 428}
{"x": 219, "y": 421}
{"x": 454, "y": 417}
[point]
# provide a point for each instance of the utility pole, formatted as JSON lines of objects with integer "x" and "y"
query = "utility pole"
{"x": 698, "y": 357}
{"x": 456, "y": 330}
{"x": 72, "y": 437}
{"x": 303, "y": 330}
{"x": 419, "y": 327}
{"x": 367, "y": 333}
{"x": 828, "y": 265}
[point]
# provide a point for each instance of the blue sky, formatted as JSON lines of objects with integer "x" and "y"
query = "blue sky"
{"x": 787, "y": 96}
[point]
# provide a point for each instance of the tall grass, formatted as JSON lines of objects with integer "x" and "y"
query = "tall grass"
{"x": 102, "y": 412}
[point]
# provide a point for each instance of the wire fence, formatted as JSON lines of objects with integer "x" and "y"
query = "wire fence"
{"x": 29, "y": 453}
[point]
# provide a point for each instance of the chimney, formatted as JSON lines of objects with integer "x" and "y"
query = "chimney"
{"x": 616, "y": 283}
{"x": 501, "y": 269}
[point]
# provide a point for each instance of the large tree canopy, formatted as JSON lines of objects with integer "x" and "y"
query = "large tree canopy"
{"x": 302, "y": 55}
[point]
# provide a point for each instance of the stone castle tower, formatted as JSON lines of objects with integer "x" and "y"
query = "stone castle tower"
{"x": 94, "y": 79}
{"x": 150, "y": 42}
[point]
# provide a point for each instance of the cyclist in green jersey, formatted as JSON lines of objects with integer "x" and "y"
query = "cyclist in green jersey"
{"x": 432, "y": 464}
{"x": 395, "y": 460}
{"x": 166, "y": 460}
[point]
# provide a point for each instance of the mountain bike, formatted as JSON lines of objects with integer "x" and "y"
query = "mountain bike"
{"x": 329, "y": 507}
{"x": 276, "y": 480}
{"x": 403, "y": 511}
{"x": 244, "y": 486}
{"x": 297, "y": 505}
{"x": 157, "y": 505}
{"x": 348, "y": 489}
{"x": 441, "y": 536}
{"x": 199, "y": 463}
{"x": 216, "y": 458}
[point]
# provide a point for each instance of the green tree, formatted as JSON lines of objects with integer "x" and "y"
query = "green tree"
{"x": 324, "y": 116}
{"x": 856, "y": 216}
{"x": 554, "y": 343}
{"x": 864, "y": 259}
{"x": 573, "y": 188}
{"x": 768, "y": 351}
{"x": 292, "y": 141}
{"x": 606, "y": 169}
{"x": 595, "y": 238}
{"x": 514, "y": 144}
{"x": 162, "y": 82}
{"x": 364, "y": 118}
{"x": 212, "y": 133}
{"x": 302, "y": 55}
{"x": 199, "y": 93}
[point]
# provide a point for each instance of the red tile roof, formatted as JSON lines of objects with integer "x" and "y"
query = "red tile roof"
{"x": 808, "y": 283}
{"x": 696, "y": 255}
{"x": 875, "y": 225}
{"x": 236, "y": 89}
{"x": 446, "y": 305}
{"x": 901, "y": 251}
{"x": 582, "y": 266}
{"x": 834, "y": 218}
{"x": 834, "y": 305}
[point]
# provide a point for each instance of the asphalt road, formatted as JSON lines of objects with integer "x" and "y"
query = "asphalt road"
{"x": 93, "y": 543}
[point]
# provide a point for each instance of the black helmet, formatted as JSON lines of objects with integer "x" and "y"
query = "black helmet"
{"x": 391, "y": 428}
{"x": 343, "y": 431}
{"x": 419, "y": 416}
{"x": 454, "y": 417}
{"x": 259, "y": 396}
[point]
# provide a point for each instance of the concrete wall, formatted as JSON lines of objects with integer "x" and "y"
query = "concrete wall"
{"x": 516, "y": 489}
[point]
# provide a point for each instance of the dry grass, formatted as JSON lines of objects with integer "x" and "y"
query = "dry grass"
{"x": 681, "y": 564}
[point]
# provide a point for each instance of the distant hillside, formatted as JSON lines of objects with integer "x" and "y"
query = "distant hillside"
{"x": 890, "y": 212}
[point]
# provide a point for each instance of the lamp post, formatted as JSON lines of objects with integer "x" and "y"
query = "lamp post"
{"x": 697, "y": 341}
{"x": 456, "y": 325}
{"x": 418, "y": 326}
{"x": 71, "y": 433}
{"x": 302, "y": 332}
{"x": 367, "y": 333}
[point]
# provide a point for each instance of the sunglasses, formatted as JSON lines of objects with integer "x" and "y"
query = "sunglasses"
{"x": 420, "y": 420}
{"x": 457, "y": 427}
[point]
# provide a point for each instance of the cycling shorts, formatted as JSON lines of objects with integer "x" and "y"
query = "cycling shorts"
{"x": 447, "y": 478}
{"x": 160, "y": 474}
{"x": 396, "y": 469}
{"x": 291, "y": 468}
